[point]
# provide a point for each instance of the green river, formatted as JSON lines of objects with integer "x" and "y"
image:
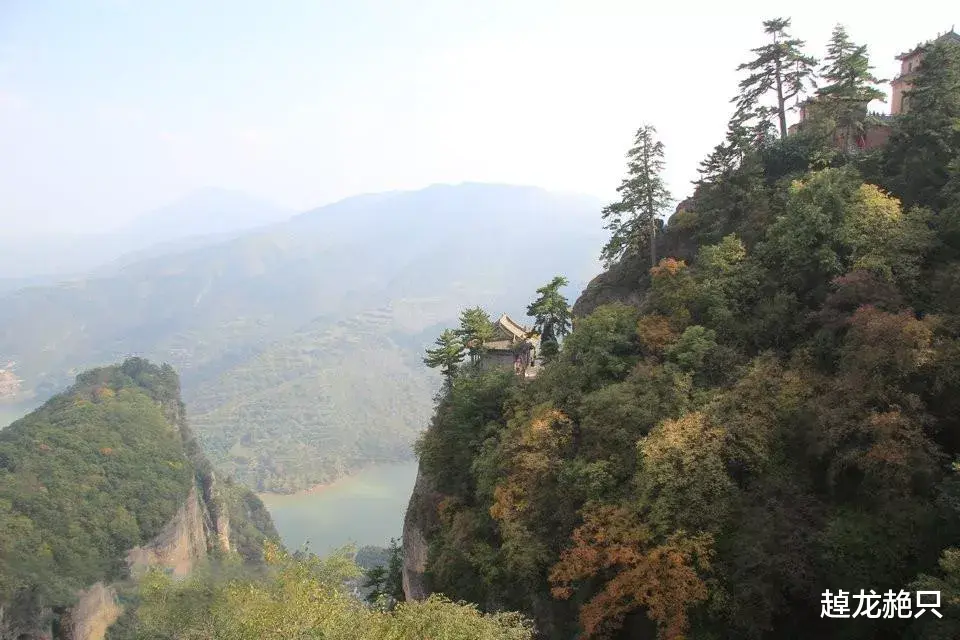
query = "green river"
{"x": 366, "y": 508}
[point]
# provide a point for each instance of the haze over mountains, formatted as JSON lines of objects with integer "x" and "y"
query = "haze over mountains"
{"x": 300, "y": 343}
{"x": 201, "y": 217}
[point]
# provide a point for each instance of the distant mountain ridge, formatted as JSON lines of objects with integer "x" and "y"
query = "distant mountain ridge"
{"x": 206, "y": 212}
{"x": 275, "y": 330}
{"x": 202, "y": 217}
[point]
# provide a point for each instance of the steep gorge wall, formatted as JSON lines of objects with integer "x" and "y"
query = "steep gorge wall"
{"x": 420, "y": 519}
{"x": 198, "y": 526}
{"x": 179, "y": 545}
{"x": 195, "y": 529}
{"x": 93, "y": 614}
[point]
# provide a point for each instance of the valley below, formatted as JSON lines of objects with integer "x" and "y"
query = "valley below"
{"x": 300, "y": 344}
{"x": 364, "y": 508}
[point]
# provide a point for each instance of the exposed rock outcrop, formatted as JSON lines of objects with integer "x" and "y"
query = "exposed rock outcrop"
{"x": 181, "y": 543}
{"x": 218, "y": 516}
{"x": 421, "y": 518}
{"x": 627, "y": 280}
{"x": 621, "y": 283}
{"x": 94, "y": 612}
{"x": 199, "y": 525}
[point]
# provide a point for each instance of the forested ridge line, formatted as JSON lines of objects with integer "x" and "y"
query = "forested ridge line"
{"x": 758, "y": 401}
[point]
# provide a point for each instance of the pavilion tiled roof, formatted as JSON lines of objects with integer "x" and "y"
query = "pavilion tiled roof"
{"x": 949, "y": 36}
{"x": 513, "y": 326}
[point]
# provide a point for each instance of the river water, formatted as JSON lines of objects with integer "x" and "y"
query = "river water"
{"x": 365, "y": 508}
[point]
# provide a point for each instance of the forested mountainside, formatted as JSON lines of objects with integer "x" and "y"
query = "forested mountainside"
{"x": 274, "y": 332}
{"x": 103, "y": 480}
{"x": 764, "y": 415}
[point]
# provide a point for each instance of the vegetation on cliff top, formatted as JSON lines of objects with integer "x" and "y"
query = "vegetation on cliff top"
{"x": 776, "y": 417}
{"x": 94, "y": 472}
{"x": 91, "y": 474}
{"x": 301, "y": 597}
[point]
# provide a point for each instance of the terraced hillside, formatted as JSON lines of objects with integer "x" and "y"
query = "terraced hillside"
{"x": 299, "y": 345}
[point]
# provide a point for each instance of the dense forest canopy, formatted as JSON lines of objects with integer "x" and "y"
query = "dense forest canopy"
{"x": 96, "y": 471}
{"x": 300, "y": 597}
{"x": 768, "y": 413}
{"x": 91, "y": 474}
{"x": 756, "y": 406}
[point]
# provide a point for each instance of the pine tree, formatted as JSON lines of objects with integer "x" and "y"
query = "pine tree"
{"x": 551, "y": 315}
{"x": 374, "y": 579}
{"x": 850, "y": 87}
{"x": 386, "y": 581}
{"x": 476, "y": 329}
{"x": 780, "y": 67}
{"x": 448, "y": 354}
{"x": 393, "y": 582}
{"x": 727, "y": 156}
{"x": 643, "y": 197}
{"x": 926, "y": 139}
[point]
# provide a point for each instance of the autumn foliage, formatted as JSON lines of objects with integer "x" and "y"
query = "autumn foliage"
{"x": 773, "y": 410}
{"x": 661, "y": 578}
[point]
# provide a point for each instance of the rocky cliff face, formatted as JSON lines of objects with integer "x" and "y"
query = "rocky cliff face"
{"x": 93, "y": 614}
{"x": 627, "y": 280}
{"x": 197, "y": 528}
{"x": 185, "y": 540}
{"x": 620, "y": 283}
{"x": 420, "y": 519}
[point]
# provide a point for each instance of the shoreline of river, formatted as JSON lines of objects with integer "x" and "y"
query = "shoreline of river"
{"x": 362, "y": 508}
{"x": 269, "y": 496}
{"x": 326, "y": 486}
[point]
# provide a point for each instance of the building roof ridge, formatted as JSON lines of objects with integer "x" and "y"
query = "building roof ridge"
{"x": 512, "y": 326}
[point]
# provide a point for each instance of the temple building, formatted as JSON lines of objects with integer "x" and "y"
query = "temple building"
{"x": 876, "y": 132}
{"x": 512, "y": 345}
{"x": 909, "y": 63}
{"x": 879, "y": 128}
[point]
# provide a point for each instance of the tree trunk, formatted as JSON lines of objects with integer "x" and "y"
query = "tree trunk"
{"x": 650, "y": 212}
{"x": 653, "y": 242}
{"x": 781, "y": 103}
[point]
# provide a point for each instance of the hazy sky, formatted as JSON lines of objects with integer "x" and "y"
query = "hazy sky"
{"x": 109, "y": 108}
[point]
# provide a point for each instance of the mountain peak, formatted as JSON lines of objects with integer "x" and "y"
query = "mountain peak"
{"x": 207, "y": 211}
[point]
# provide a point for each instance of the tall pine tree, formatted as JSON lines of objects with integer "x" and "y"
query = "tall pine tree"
{"x": 643, "y": 197}
{"x": 781, "y": 68}
{"x": 476, "y": 329}
{"x": 727, "y": 156}
{"x": 850, "y": 87}
{"x": 551, "y": 314}
{"x": 447, "y": 355}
